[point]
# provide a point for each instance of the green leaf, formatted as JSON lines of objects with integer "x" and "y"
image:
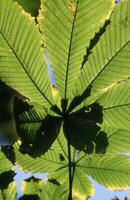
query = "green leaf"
{"x": 117, "y": 117}
{"x": 115, "y": 101}
{"x": 35, "y": 131}
{"x": 106, "y": 75}
{"x": 111, "y": 171}
{"x": 54, "y": 159}
{"x": 82, "y": 186}
{"x": 118, "y": 139}
{"x": 55, "y": 163}
{"x": 5, "y": 164}
{"x": 109, "y": 62}
{"x": 32, "y": 186}
{"x": 67, "y": 27}
{"x": 9, "y": 193}
{"x": 100, "y": 123}
{"x": 116, "y": 111}
{"x": 21, "y": 48}
{"x": 43, "y": 190}
{"x": 116, "y": 106}
{"x": 120, "y": 92}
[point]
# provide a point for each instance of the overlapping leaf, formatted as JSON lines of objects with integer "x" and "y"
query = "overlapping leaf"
{"x": 83, "y": 132}
{"x": 9, "y": 193}
{"x": 112, "y": 171}
{"x": 35, "y": 131}
{"x": 118, "y": 139}
{"x": 55, "y": 163}
{"x": 106, "y": 77}
{"x": 37, "y": 189}
{"x": 67, "y": 27}
{"x": 5, "y": 164}
{"x": 30, "y": 6}
{"x": 116, "y": 112}
{"x": 82, "y": 186}
{"x": 50, "y": 162}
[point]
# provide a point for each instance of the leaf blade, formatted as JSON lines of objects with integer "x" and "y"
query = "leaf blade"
{"x": 21, "y": 48}
{"x": 104, "y": 65}
{"x": 9, "y": 193}
{"x": 111, "y": 171}
{"x": 67, "y": 33}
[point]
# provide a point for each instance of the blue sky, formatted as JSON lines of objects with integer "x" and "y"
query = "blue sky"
{"x": 105, "y": 194}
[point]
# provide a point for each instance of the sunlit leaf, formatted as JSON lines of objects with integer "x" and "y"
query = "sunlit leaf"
{"x": 67, "y": 27}
{"x": 9, "y": 193}
{"x": 21, "y": 48}
{"x": 111, "y": 171}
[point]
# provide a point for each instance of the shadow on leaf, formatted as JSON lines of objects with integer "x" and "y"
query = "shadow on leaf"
{"x": 36, "y": 128}
{"x": 30, "y": 6}
{"x": 38, "y": 137}
{"x": 82, "y": 130}
{"x": 79, "y": 99}
{"x": 5, "y": 179}
{"x": 8, "y": 132}
{"x": 9, "y": 153}
{"x": 94, "y": 41}
{"x": 29, "y": 197}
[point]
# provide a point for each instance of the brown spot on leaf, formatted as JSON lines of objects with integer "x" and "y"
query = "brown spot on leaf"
{"x": 72, "y": 7}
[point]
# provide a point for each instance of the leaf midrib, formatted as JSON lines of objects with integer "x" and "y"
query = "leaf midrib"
{"x": 55, "y": 162}
{"x": 25, "y": 69}
{"x": 31, "y": 122}
{"x": 69, "y": 52}
{"x": 65, "y": 154}
{"x": 106, "y": 65}
{"x": 105, "y": 169}
{"x": 116, "y": 106}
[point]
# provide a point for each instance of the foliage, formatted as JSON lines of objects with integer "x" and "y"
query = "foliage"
{"x": 80, "y": 128}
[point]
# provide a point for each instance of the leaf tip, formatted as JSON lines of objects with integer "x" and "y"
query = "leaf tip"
{"x": 78, "y": 195}
{"x": 111, "y": 5}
